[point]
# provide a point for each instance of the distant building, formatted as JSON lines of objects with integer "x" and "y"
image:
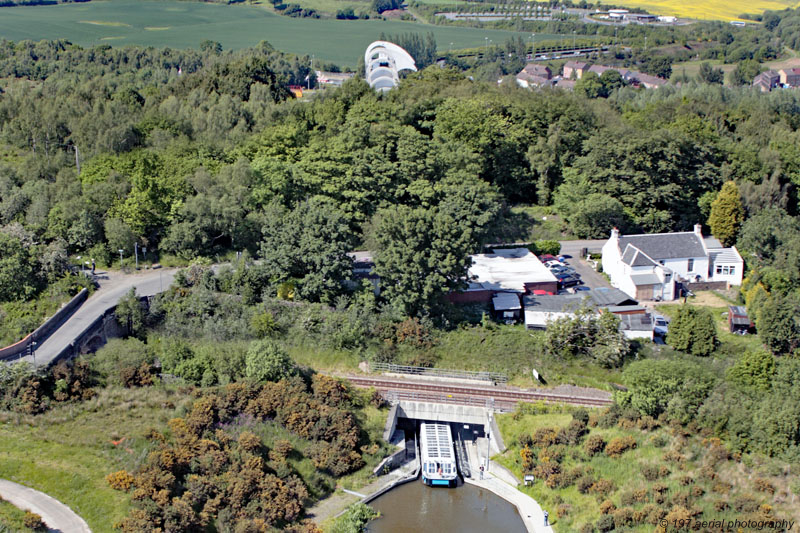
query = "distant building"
{"x": 617, "y": 14}
{"x": 333, "y": 79}
{"x": 573, "y": 70}
{"x": 644, "y": 80}
{"x": 563, "y": 83}
{"x": 790, "y": 77}
{"x": 515, "y": 270}
{"x": 383, "y": 62}
{"x": 534, "y": 75}
{"x": 296, "y": 90}
{"x": 766, "y": 81}
{"x": 668, "y": 19}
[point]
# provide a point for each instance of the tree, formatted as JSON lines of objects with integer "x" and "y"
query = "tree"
{"x": 693, "y": 331}
{"x": 611, "y": 80}
{"x": 744, "y": 72}
{"x": 421, "y": 255}
{"x": 595, "y": 215}
{"x": 120, "y": 236}
{"x": 709, "y": 74}
{"x": 660, "y": 66}
{"x": 314, "y": 252}
{"x": 267, "y": 361}
{"x": 727, "y": 214}
{"x": 18, "y": 278}
{"x": 672, "y": 386}
{"x": 778, "y": 324}
{"x": 130, "y": 314}
{"x": 753, "y": 371}
{"x": 590, "y": 86}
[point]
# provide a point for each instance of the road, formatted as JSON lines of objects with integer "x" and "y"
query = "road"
{"x": 590, "y": 277}
{"x": 55, "y": 514}
{"x": 113, "y": 286}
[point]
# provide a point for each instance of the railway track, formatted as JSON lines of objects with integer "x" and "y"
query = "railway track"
{"x": 497, "y": 397}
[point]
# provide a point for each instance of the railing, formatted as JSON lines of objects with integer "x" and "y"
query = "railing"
{"x": 492, "y": 377}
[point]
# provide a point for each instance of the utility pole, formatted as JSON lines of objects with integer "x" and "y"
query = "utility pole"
{"x": 120, "y": 257}
{"x": 136, "y": 253}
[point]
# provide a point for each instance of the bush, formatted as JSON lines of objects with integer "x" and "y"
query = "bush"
{"x": 120, "y": 480}
{"x": 266, "y": 361}
{"x": 594, "y": 445}
{"x": 605, "y": 523}
{"x": 620, "y": 445}
{"x": 607, "y": 507}
{"x": 33, "y": 521}
{"x": 584, "y": 484}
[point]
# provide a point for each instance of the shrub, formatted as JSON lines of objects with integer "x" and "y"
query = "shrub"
{"x": 563, "y": 510}
{"x": 607, "y": 507}
{"x": 266, "y": 361}
{"x": 544, "y": 437}
{"x": 649, "y": 472}
{"x": 623, "y": 517}
{"x": 33, "y": 521}
{"x": 619, "y": 445}
{"x": 120, "y": 480}
{"x": 594, "y": 445}
{"x": 584, "y": 484}
{"x": 602, "y": 487}
{"x": 605, "y": 523}
{"x": 762, "y": 485}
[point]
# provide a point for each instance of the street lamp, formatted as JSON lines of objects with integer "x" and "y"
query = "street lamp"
{"x": 533, "y": 39}
{"x": 136, "y": 253}
{"x": 120, "y": 257}
{"x": 79, "y": 258}
{"x": 144, "y": 254}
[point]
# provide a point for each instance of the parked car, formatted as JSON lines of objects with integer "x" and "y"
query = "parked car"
{"x": 553, "y": 263}
{"x": 661, "y": 325}
{"x": 564, "y": 271}
{"x": 566, "y": 282}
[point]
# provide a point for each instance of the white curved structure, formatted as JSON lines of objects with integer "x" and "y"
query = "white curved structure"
{"x": 383, "y": 60}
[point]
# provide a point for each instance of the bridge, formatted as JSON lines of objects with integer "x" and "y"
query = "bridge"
{"x": 89, "y": 326}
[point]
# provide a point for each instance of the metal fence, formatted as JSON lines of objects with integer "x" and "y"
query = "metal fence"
{"x": 492, "y": 377}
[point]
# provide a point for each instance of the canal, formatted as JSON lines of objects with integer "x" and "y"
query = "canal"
{"x": 466, "y": 509}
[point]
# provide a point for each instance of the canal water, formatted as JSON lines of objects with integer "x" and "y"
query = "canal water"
{"x": 466, "y": 509}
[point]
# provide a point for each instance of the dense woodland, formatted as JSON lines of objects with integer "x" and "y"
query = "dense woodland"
{"x": 198, "y": 154}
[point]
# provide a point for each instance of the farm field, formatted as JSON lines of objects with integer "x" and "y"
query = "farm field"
{"x": 185, "y": 24}
{"x": 708, "y": 9}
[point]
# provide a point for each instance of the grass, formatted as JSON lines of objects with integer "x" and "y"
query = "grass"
{"x": 730, "y": 345}
{"x": 67, "y": 452}
{"x": 11, "y": 519}
{"x": 515, "y": 351}
{"x": 132, "y": 22}
{"x": 707, "y": 9}
{"x": 626, "y": 475}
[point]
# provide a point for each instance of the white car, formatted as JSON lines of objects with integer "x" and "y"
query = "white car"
{"x": 661, "y": 325}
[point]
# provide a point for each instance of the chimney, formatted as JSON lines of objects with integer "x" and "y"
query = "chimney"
{"x": 698, "y": 229}
{"x": 615, "y": 233}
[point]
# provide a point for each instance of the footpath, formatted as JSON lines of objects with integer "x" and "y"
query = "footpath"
{"x": 501, "y": 482}
{"x": 55, "y": 514}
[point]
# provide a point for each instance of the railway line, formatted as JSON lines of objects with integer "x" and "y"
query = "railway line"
{"x": 500, "y": 398}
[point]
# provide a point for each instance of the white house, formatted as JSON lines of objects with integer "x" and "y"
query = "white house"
{"x": 649, "y": 266}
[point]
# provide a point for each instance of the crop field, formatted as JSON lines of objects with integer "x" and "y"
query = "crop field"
{"x": 186, "y": 24}
{"x": 708, "y": 9}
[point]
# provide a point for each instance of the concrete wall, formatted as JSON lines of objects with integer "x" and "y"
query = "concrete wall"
{"x": 20, "y": 348}
{"x": 439, "y": 412}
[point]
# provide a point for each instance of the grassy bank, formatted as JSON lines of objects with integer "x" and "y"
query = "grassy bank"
{"x": 670, "y": 470}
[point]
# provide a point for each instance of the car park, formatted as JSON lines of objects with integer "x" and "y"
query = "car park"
{"x": 565, "y": 282}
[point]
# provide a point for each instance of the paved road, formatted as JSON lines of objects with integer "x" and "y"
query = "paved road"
{"x": 590, "y": 277}
{"x": 113, "y": 286}
{"x": 55, "y": 514}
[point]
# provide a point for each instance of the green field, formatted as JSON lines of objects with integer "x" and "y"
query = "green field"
{"x": 186, "y": 24}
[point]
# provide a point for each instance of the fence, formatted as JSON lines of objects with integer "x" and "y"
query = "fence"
{"x": 492, "y": 377}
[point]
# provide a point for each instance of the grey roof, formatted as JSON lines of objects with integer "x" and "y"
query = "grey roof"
{"x": 633, "y": 309}
{"x": 640, "y": 322}
{"x": 712, "y": 242}
{"x": 604, "y": 296}
{"x": 505, "y": 301}
{"x": 724, "y": 255}
{"x": 739, "y": 310}
{"x": 658, "y": 246}
{"x": 600, "y": 297}
{"x": 557, "y": 303}
{"x": 634, "y": 257}
{"x": 645, "y": 279}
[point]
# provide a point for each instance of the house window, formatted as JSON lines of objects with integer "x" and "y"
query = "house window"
{"x": 733, "y": 270}
{"x": 725, "y": 271}
{"x": 690, "y": 265}
{"x": 719, "y": 269}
